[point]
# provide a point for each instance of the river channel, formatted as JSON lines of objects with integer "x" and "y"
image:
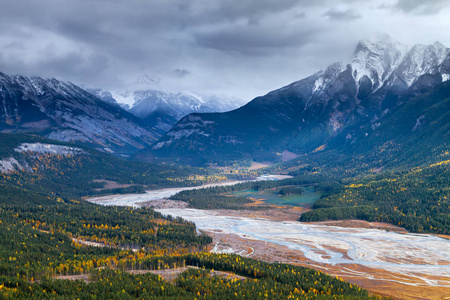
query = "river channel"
{"x": 419, "y": 256}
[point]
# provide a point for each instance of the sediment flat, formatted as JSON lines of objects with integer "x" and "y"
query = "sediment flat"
{"x": 403, "y": 265}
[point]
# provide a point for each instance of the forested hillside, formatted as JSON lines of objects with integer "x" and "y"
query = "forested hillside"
{"x": 66, "y": 170}
{"x": 417, "y": 200}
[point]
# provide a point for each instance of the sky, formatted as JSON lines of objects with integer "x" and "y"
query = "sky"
{"x": 240, "y": 48}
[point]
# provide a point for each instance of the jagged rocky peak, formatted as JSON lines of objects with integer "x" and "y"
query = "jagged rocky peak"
{"x": 101, "y": 94}
{"x": 377, "y": 58}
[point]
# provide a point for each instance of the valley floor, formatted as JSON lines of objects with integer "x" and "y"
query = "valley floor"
{"x": 380, "y": 257}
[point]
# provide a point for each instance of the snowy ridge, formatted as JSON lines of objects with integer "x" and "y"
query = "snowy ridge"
{"x": 383, "y": 61}
{"x": 163, "y": 109}
{"x": 182, "y": 103}
{"x": 422, "y": 59}
{"x": 124, "y": 97}
{"x": 142, "y": 102}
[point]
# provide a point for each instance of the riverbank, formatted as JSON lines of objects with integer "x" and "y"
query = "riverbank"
{"x": 136, "y": 200}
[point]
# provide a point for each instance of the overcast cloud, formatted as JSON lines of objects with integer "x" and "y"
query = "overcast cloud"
{"x": 242, "y": 48}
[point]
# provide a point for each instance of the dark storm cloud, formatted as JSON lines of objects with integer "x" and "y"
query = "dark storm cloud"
{"x": 130, "y": 29}
{"x": 252, "y": 41}
{"x": 191, "y": 45}
{"x": 429, "y": 7}
{"x": 342, "y": 15}
{"x": 73, "y": 66}
{"x": 146, "y": 35}
{"x": 80, "y": 65}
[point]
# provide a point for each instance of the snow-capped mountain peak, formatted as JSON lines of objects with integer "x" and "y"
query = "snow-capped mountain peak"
{"x": 377, "y": 58}
{"x": 384, "y": 60}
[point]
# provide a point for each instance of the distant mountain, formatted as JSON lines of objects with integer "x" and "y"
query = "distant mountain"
{"x": 162, "y": 110}
{"x": 309, "y": 115}
{"x": 65, "y": 112}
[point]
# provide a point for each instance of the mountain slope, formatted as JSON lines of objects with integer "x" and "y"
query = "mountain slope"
{"x": 309, "y": 114}
{"x": 419, "y": 129}
{"x": 405, "y": 137}
{"x": 412, "y": 145}
{"x": 65, "y": 112}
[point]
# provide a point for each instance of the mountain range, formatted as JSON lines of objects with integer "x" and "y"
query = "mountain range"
{"x": 329, "y": 109}
{"x": 161, "y": 109}
{"x": 65, "y": 112}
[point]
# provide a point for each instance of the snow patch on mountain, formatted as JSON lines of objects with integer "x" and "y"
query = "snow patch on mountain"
{"x": 49, "y": 149}
{"x": 123, "y": 97}
{"x": 445, "y": 77}
{"x": 318, "y": 84}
